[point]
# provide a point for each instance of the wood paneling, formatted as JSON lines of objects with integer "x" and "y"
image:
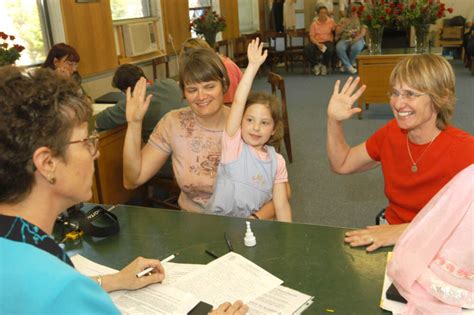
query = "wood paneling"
{"x": 109, "y": 168}
{"x": 88, "y": 28}
{"x": 230, "y": 11}
{"x": 175, "y": 23}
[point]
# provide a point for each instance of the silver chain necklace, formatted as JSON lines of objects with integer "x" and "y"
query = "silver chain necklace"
{"x": 414, "y": 167}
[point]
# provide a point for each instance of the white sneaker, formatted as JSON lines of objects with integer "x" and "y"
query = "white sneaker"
{"x": 352, "y": 70}
{"x": 317, "y": 69}
{"x": 324, "y": 70}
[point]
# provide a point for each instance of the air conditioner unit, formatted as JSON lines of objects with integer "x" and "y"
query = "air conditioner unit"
{"x": 139, "y": 38}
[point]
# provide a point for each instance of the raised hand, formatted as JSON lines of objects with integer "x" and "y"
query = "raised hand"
{"x": 254, "y": 53}
{"x": 340, "y": 105}
{"x": 137, "y": 104}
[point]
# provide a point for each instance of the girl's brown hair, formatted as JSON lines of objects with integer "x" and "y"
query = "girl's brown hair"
{"x": 270, "y": 101}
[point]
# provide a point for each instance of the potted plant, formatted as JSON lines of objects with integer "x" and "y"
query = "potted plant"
{"x": 421, "y": 14}
{"x": 208, "y": 25}
{"x": 9, "y": 52}
{"x": 376, "y": 15}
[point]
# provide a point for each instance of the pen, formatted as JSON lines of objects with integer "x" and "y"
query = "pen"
{"x": 112, "y": 208}
{"x": 229, "y": 244}
{"x": 150, "y": 269}
{"x": 211, "y": 253}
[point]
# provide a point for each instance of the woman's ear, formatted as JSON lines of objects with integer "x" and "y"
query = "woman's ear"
{"x": 45, "y": 163}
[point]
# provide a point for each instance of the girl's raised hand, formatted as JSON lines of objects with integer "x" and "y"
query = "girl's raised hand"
{"x": 255, "y": 54}
{"x": 340, "y": 105}
{"x": 137, "y": 104}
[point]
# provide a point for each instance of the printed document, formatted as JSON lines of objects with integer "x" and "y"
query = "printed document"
{"x": 154, "y": 299}
{"x": 230, "y": 277}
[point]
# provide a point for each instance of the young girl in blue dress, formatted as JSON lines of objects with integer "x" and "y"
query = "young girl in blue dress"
{"x": 251, "y": 173}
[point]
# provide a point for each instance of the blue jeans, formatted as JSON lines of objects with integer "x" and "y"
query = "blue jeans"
{"x": 347, "y": 52}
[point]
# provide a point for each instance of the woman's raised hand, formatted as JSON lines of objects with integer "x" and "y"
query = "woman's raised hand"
{"x": 340, "y": 105}
{"x": 137, "y": 104}
{"x": 254, "y": 53}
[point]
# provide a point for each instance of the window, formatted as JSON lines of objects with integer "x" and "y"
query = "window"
{"x": 27, "y": 23}
{"x": 196, "y": 9}
{"x": 130, "y": 9}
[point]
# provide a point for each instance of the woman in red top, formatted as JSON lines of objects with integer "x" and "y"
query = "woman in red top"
{"x": 419, "y": 151}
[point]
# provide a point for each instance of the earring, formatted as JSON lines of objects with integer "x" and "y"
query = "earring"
{"x": 51, "y": 179}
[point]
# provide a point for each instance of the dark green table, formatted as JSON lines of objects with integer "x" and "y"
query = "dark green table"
{"x": 310, "y": 258}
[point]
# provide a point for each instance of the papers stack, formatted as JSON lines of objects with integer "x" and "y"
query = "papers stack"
{"x": 226, "y": 279}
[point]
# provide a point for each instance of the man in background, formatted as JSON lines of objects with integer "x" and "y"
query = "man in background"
{"x": 166, "y": 96}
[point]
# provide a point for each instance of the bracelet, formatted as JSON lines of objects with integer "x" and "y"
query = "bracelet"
{"x": 99, "y": 280}
{"x": 255, "y": 216}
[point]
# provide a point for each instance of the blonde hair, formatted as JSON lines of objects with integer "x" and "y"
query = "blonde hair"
{"x": 432, "y": 75}
{"x": 194, "y": 43}
{"x": 272, "y": 103}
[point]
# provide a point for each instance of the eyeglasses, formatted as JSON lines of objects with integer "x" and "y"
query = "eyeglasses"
{"x": 408, "y": 95}
{"x": 92, "y": 142}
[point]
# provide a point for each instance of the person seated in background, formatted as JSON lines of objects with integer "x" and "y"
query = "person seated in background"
{"x": 63, "y": 59}
{"x": 320, "y": 50}
{"x": 233, "y": 71}
{"x": 351, "y": 41}
{"x": 166, "y": 96}
{"x": 419, "y": 151}
{"x": 47, "y": 165}
{"x": 433, "y": 261}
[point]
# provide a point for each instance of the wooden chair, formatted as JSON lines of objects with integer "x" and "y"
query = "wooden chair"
{"x": 158, "y": 61}
{"x": 222, "y": 43}
{"x": 276, "y": 55}
{"x": 277, "y": 82}
{"x": 240, "y": 52}
{"x": 168, "y": 186}
{"x": 452, "y": 36}
{"x": 297, "y": 40}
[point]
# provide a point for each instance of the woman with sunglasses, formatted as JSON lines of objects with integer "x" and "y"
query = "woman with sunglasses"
{"x": 46, "y": 166}
{"x": 419, "y": 151}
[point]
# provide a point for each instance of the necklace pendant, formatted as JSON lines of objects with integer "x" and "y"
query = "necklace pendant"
{"x": 414, "y": 168}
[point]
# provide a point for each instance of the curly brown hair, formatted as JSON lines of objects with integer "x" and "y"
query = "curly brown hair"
{"x": 271, "y": 101}
{"x": 37, "y": 109}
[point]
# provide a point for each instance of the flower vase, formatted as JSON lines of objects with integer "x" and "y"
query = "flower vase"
{"x": 375, "y": 40}
{"x": 421, "y": 38}
{"x": 210, "y": 38}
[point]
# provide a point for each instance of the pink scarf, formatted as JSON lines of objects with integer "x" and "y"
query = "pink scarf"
{"x": 433, "y": 261}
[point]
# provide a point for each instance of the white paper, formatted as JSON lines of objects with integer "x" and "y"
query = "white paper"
{"x": 175, "y": 271}
{"x": 154, "y": 299}
{"x": 230, "y": 277}
{"x": 97, "y": 108}
{"x": 281, "y": 300}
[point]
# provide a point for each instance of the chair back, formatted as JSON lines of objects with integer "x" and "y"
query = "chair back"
{"x": 158, "y": 61}
{"x": 222, "y": 43}
{"x": 276, "y": 53}
{"x": 278, "y": 83}
{"x": 240, "y": 52}
{"x": 297, "y": 40}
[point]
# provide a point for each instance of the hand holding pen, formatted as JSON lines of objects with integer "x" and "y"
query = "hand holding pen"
{"x": 126, "y": 279}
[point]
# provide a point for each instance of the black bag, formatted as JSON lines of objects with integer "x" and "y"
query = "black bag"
{"x": 97, "y": 222}
{"x": 455, "y": 21}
